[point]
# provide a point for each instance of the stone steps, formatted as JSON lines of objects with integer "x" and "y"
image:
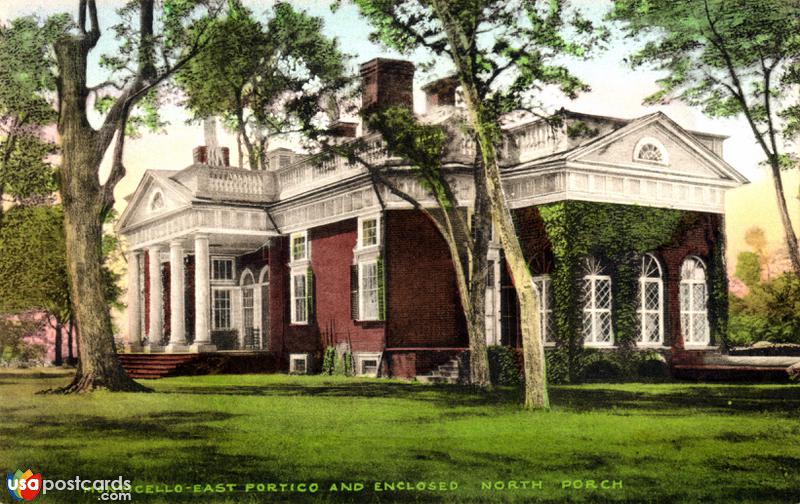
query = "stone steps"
{"x": 152, "y": 366}
{"x": 446, "y": 373}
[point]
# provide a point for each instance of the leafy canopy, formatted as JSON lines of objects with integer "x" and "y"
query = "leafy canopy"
{"x": 729, "y": 57}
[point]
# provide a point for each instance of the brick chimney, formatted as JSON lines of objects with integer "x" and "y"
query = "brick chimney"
{"x": 200, "y": 156}
{"x": 387, "y": 83}
{"x": 343, "y": 129}
{"x": 440, "y": 92}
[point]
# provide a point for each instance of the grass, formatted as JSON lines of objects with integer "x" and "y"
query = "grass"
{"x": 668, "y": 442}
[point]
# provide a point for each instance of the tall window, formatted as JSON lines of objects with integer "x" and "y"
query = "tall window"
{"x": 542, "y": 284}
{"x": 693, "y": 295}
{"x": 369, "y": 291}
{"x": 222, "y": 309}
{"x": 651, "y": 302}
{"x": 299, "y": 298}
{"x": 299, "y": 246}
{"x": 248, "y": 298}
{"x": 222, "y": 269}
{"x": 597, "y": 330}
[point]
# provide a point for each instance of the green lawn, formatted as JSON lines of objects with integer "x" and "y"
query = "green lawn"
{"x": 665, "y": 442}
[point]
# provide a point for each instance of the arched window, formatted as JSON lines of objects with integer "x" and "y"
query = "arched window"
{"x": 157, "y": 202}
{"x": 693, "y": 296}
{"x": 597, "y": 330}
{"x": 651, "y": 302}
{"x": 248, "y": 301}
{"x": 650, "y": 150}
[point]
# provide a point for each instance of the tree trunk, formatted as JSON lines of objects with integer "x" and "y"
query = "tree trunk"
{"x": 59, "y": 340}
{"x": 83, "y": 202}
{"x": 786, "y": 221}
{"x": 70, "y": 354}
{"x": 479, "y": 359}
{"x": 462, "y": 53}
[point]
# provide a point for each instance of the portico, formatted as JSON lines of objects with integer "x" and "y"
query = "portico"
{"x": 172, "y": 243}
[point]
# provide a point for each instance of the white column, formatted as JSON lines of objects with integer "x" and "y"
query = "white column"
{"x": 177, "y": 324}
{"x": 133, "y": 341}
{"x": 156, "y": 299}
{"x": 202, "y": 295}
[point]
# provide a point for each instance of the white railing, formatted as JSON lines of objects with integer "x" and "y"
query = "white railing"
{"x": 235, "y": 182}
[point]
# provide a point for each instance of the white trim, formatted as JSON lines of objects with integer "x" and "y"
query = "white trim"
{"x": 637, "y": 151}
{"x": 222, "y": 281}
{"x": 232, "y": 316}
{"x": 687, "y": 330}
{"x": 362, "y": 291}
{"x": 306, "y": 247}
{"x": 264, "y": 272}
{"x": 361, "y": 220}
{"x": 360, "y": 357}
{"x": 594, "y": 276}
{"x": 641, "y": 311}
{"x": 292, "y": 307}
{"x": 306, "y": 358}
{"x": 545, "y": 307}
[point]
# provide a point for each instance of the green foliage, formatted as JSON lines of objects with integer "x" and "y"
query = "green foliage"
{"x": 728, "y": 57}
{"x": 579, "y": 129}
{"x": 329, "y": 361}
{"x": 26, "y": 78}
{"x": 343, "y": 364}
{"x": 504, "y": 367}
{"x": 748, "y": 268}
{"x": 604, "y": 365}
{"x": 263, "y": 78}
{"x": 769, "y": 312}
{"x": 617, "y": 235}
{"x": 14, "y": 350}
{"x": 516, "y": 47}
{"x": 33, "y": 263}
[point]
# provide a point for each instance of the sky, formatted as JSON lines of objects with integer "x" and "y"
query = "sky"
{"x": 616, "y": 91}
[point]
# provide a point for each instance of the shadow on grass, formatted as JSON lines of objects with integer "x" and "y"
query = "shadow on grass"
{"x": 713, "y": 399}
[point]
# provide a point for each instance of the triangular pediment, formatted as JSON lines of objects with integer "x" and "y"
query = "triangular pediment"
{"x": 155, "y": 196}
{"x": 656, "y": 143}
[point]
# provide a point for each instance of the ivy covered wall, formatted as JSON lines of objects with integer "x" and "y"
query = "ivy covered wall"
{"x": 618, "y": 235}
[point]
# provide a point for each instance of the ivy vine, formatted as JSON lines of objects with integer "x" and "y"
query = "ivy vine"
{"x": 617, "y": 235}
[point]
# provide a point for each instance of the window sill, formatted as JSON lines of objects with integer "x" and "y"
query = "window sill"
{"x": 298, "y": 324}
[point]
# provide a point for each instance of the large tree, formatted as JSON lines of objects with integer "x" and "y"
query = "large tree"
{"x": 153, "y": 44}
{"x": 426, "y": 148}
{"x": 503, "y": 53}
{"x": 263, "y": 78}
{"x": 730, "y": 58}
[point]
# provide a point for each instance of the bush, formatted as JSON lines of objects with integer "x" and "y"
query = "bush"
{"x": 769, "y": 312}
{"x": 504, "y": 368}
{"x": 329, "y": 361}
{"x": 14, "y": 350}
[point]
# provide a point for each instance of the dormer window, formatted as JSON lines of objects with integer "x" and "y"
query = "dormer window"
{"x": 650, "y": 150}
{"x": 157, "y": 202}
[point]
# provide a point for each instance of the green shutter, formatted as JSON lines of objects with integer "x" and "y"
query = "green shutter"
{"x": 381, "y": 291}
{"x": 354, "y": 292}
{"x": 310, "y": 295}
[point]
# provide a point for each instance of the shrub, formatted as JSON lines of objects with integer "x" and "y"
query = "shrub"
{"x": 329, "y": 361}
{"x": 503, "y": 366}
{"x": 769, "y": 312}
{"x": 14, "y": 350}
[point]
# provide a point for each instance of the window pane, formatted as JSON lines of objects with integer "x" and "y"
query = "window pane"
{"x": 298, "y": 248}
{"x": 699, "y": 297}
{"x": 604, "y": 327}
{"x": 222, "y": 309}
{"x": 603, "y": 293}
{"x": 685, "y": 290}
{"x": 299, "y": 298}
{"x": 651, "y": 296}
{"x": 369, "y": 291}
{"x": 369, "y": 232}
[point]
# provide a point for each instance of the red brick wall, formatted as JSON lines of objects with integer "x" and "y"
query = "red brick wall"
{"x": 423, "y": 309}
{"x": 697, "y": 240}
{"x": 331, "y": 257}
